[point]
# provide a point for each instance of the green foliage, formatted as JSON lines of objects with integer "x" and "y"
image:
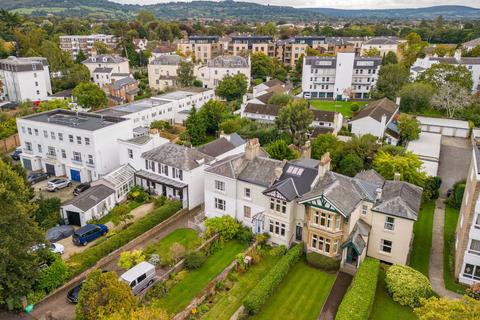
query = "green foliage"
{"x": 196, "y": 129}
{"x": 53, "y": 104}
{"x": 160, "y": 125}
{"x": 354, "y": 107}
{"x": 324, "y": 143}
{"x": 295, "y": 119}
{"x": 390, "y": 58}
{"x": 407, "y": 286}
{"x": 226, "y": 226}
{"x": 280, "y": 150}
{"x": 278, "y": 251}
{"x": 121, "y": 214}
{"x": 262, "y": 238}
{"x": 8, "y": 127}
{"x": 194, "y": 260}
{"x": 358, "y": 301}
{"x": 211, "y": 114}
{"x": 446, "y": 309}
{"x": 280, "y": 99}
{"x": 262, "y": 65}
{"x": 89, "y": 95}
{"x": 408, "y": 165}
{"x": 431, "y": 188}
{"x": 441, "y": 73}
{"x": 391, "y": 78}
{"x": 234, "y": 124}
{"x": 412, "y": 49}
{"x": 53, "y": 276}
{"x": 138, "y": 194}
{"x": 455, "y": 199}
{"x": 102, "y": 295}
{"x": 350, "y": 165}
{"x": 82, "y": 261}
{"x": 322, "y": 262}
{"x": 244, "y": 234}
{"x": 47, "y": 214}
{"x": 409, "y": 128}
{"x": 232, "y": 87}
{"x": 264, "y": 289}
{"x": 416, "y": 97}
{"x": 129, "y": 259}
{"x": 160, "y": 201}
{"x": 185, "y": 75}
{"x": 474, "y": 291}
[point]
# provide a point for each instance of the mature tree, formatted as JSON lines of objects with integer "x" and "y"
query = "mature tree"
{"x": 295, "y": 118}
{"x": 391, "y": 78}
{"x": 47, "y": 214}
{"x": 364, "y": 146}
{"x": 267, "y": 29}
{"x": 350, "y": 165}
{"x": 234, "y": 124}
{"x": 451, "y": 97}
{"x": 446, "y": 309}
{"x": 281, "y": 151}
{"x": 196, "y": 130}
{"x": 143, "y": 313}
{"x": 324, "y": 143}
{"x": 80, "y": 57}
{"x": 407, "y": 165}
{"x": 232, "y": 87}
{"x": 372, "y": 52}
{"x": 145, "y": 16}
{"x": 18, "y": 233}
{"x": 89, "y": 95}
{"x": 53, "y": 104}
{"x": 390, "y": 58}
{"x": 416, "y": 97}
{"x": 280, "y": 99}
{"x": 185, "y": 75}
{"x": 441, "y": 73}
{"x": 212, "y": 114}
{"x": 262, "y": 65}
{"x": 76, "y": 74}
{"x": 409, "y": 128}
{"x": 101, "y": 48}
{"x": 103, "y": 295}
{"x": 412, "y": 48}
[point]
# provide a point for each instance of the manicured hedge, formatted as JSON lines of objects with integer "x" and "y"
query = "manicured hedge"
{"x": 322, "y": 262}
{"x": 358, "y": 301}
{"x": 86, "y": 259}
{"x": 262, "y": 291}
{"x": 407, "y": 286}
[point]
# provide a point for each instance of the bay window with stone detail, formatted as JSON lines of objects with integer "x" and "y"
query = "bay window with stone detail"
{"x": 324, "y": 245}
{"x": 277, "y": 228}
{"x": 278, "y": 205}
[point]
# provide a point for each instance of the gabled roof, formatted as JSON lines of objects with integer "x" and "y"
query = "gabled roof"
{"x": 123, "y": 82}
{"x": 355, "y": 238}
{"x": 228, "y": 62}
{"x": 400, "y": 199}
{"x": 267, "y": 109}
{"x": 381, "y": 40}
{"x": 105, "y": 58}
{"x": 371, "y": 176}
{"x": 218, "y": 147}
{"x": 472, "y": 43}
{"x": 272, "y": 83}
{"x": 376, "y": 109}
{"x": 90, "y": 198}
{"x": 177, "y": 156}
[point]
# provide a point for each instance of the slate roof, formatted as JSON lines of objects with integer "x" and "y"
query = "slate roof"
{"x": 140, "y": 140}
{"x": 123, "y": 82}
{"x": 381, "y": 40}
{"x": 90, "y": 198}
{"x": 400, "y": 199}
{"x": 321, "y": 130}
{"x": 265, "y": 97}
{"x": 177, "y": 156}
{"x": 228, "y": 62}
{"x": 371, "y": 176}
{"x": 273, "y": 82}
{"x": 360, "y": 230}
{"x": 102, "y": 70}
{"x": 323, "y": 116}
{"x": 221, "y": 145}
{"x": 376, "y": 109}
{"x": 267, "y": 109}
{"x": 105, "y": 58}
{"x": 472, "y": 43}
{"x": 171, "y": 60}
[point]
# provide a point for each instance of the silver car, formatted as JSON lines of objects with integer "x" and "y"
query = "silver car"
{"x": 56, "y": 184}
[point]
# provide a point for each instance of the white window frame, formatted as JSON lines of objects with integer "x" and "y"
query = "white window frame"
{"x": 219, "y": 185}
{"x": 389, "y": 225}
{"x": 220, "y": 204}
{"x": 384, "y": 245}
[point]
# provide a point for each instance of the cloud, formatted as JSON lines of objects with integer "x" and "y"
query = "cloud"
{"x": 343, "y": 4}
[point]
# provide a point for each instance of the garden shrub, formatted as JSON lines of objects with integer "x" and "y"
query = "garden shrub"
{"x": 455, "y": 199}
{"x": 354, "y": 107}
{"x": 128, "y": 259}
{"x": 138, "y": 194}
{"x": 82, "y": 261}
{"x": 322, "y": 262}
{"x": 474, "y": 291}
{"x": 264, "y": 289}
{"x": 194, "y": 260}
{"x": 278, "y": 250}
{"x": 358, "y": 301}
{"x": 244, "y": 234}
{"x": 262, "y": 238}
{"x": 53, "y": 276}
{"x": 225, "y": 226}
{"x": 407, "y": 285}
{"x": 431, "y": 188}
{"x": 160, "y": 201}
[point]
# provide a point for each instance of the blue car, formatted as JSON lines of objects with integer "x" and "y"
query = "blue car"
{"x": 88, "y": 233}
{"x": 16, "y": 154}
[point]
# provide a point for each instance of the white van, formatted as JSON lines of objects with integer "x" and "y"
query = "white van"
{"x": 139, "y": 277}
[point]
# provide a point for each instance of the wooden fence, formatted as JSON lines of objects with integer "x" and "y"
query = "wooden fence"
{"x": 9, "y": 143}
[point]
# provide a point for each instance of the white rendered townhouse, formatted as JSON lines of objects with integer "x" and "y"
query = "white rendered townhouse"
{"x": 219, "y": 67}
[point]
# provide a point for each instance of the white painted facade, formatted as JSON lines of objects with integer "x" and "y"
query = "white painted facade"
{"x": 130, "y": 151}
{"x": 95, "y": 212}
{"x": 116, "y": 63}
{"x": 211, "y": 74}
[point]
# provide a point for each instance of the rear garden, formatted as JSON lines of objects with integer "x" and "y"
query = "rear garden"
{"x": 422, "y": 241}
{"x": 344, "y": 107}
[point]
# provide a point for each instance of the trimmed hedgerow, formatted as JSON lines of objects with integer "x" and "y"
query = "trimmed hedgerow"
{"x": 322, "y": 262}
{"x": 262, "y": 291}
{"x": 358, "y": 301}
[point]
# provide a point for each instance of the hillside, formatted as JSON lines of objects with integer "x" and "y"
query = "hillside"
{"x": 227, "y": 10}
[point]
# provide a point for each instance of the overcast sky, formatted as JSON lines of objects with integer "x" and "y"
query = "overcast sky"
{"x": 345, "y": 4}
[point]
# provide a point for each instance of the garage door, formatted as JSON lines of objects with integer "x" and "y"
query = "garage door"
{"x": 27, "y": 164}
{"x": 73, "y": 218}
{"x": 75, "y": 175}
{"x": 50, "y": 169}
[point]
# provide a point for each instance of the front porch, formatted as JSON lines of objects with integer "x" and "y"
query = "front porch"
{"x": 158, "y": 185}
{"x": 354, "y": 249}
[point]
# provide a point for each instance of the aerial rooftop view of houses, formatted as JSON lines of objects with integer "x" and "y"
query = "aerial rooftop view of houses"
{"x": 239, "y": 160}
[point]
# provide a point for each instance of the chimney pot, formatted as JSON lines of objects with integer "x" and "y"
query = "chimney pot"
{"x": 252, "y": 149}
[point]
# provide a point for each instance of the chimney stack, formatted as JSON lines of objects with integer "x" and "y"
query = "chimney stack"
{"x": 324, "y": 165}
{"x": 397, "y": 101}
{"x": 378, "y": 191}
{"x": 306, "y": 150}
{"x": 396, "y": 176}
{"x": 252, "y": 149}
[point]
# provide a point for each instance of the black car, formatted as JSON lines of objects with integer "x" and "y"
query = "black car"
{"x": 72, "y": 294}
{"x": 80, "y": 188}
{"x": 34, "y": 177}
{"x": 16, "y": 154}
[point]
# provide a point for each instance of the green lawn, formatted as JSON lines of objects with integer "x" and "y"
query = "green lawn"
{"x": 341, "y": 106}
{"x": 422, "y": 241}
{"x": 451, "y": 218}
{"x": 188, "y": 238}
{"x": 384, "y": 308}
{"x": 111, "y": 215}
{"x": 300, "y": 296}
{"x": 184, "y": 291}
{"x": 230, "y": 301}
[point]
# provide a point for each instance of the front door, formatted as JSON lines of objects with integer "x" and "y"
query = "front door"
{"x": 75, "y": 175}
{"x": 27, "y": 164}
{"x": 352, "y": 256}
{"x": 50, "y": 168}
{"x": 298, "y": 233}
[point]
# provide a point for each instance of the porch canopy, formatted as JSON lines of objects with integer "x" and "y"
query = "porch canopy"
{"x": 160, "y": 179}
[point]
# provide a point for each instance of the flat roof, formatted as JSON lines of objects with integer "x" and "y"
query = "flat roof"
{"x": 443, "y": 122}
{"x": 427, "y": 146}
{"x": 181, "y": 94}
{"x": 134, "y": 107}
{"x": 80, "y": 120}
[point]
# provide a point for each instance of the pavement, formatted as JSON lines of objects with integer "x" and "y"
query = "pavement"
{"x": 455, "y": 157}
{"x": 339, "y": 288}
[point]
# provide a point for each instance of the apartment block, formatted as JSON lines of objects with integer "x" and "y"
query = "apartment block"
{"x": 218, "y": 68}
{"x": 239, "y": 45}
{"x": 203, "y": 48}
{"x": 76, "y": 43}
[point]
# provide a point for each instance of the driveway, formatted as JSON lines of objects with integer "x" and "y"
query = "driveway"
{"x": 64, "y": 194}
{"x": 455, "y": 157}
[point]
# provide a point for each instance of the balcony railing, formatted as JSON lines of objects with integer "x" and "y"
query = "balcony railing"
{"x": 76, "y": 160}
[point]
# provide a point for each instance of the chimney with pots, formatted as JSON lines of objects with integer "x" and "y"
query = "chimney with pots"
{"x": 252, "y": 149}
{"x": 306, "y": 150}
{"x": 396, "y": 176}
{"x": 324, "y": 165}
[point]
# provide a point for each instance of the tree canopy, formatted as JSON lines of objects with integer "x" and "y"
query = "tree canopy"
{"x": 409, "y": 128}
{"x": 281, "y": 151}
{"x": 441, "y": 73}
{"x": 391, "y": 78}
{"x": 185, "y": 75}
{"x": 232, "y": 87}
{"x": 295, "y": 118}
{"x": 407, "y": 165}
{"x": 89, "y": 95}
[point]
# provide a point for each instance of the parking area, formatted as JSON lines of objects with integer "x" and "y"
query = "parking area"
{"x": 64, "y": 194}
{"x": 455, "y": 157}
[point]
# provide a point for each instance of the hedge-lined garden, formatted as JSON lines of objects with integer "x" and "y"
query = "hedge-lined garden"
{"x": 422, "y": 241}
{"x": 322, "y": 262}
{"x": 358, "y": 301}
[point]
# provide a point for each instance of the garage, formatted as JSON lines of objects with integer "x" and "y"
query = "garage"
{"x": 50, "y": 169}
{"x": 27, "y": 164}
{"x": 75, "y": 175}
{"x": 446, "y": 127}
{"x": 74, "y": 218}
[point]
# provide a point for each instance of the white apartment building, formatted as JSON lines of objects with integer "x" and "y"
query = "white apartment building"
{"x": 24, "y": 79}
{"x": 221, "y": 66}
{"x": 162, "y": 71}
{"x": 101, "y": 67}
{"x": 131, "y": 150}
{"x": 76, "y": 43}
{"x": 342, "y": 77}
{"x": 173, "y": 107}
{"x": 82, "y": 146}
{"x": 472, "y": 64}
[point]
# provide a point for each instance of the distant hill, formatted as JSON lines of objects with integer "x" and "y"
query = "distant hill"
{"x": 227, "y": 10}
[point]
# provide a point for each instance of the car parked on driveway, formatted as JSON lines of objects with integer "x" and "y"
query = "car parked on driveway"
{"x": 16, "y": 154}
{"x": 56, "y": 184}
{"x": 80, "y": 188}
{"x": 88, "y": 233}
{"x": 35, "y": 177}
{"x": 54, "y": 247}
{"x": 72, "y": 294}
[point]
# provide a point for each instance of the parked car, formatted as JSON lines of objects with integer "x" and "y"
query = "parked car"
{"x": 72, "y": 294}
{"x": 54, "y": 247}
{"x": 80, "y": 188}
{"x": 139, "y": 277}
{"x": 88, "y": 233}
{"x": 56, "y": 184}
{"x": 16, "y": 154}
{"x": 35, "y": 177}
{"x": 59, "y": 232}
